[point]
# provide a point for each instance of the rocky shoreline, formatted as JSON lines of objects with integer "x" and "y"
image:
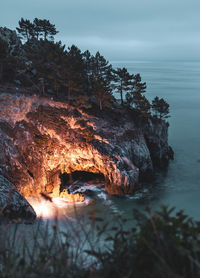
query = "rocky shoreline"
{"x": 42, "y": 139}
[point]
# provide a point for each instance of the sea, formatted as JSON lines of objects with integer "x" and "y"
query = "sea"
{"x": 178, "y": 82}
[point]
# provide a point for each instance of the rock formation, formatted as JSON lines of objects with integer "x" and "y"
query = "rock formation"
{"x": 40, "y": 139}
{"x": 12, "y": 203}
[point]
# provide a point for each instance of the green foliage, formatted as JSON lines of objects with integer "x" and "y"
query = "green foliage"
{"x": 138, "y": 86}
{"x": 102, "y": 92}
{"x": 160, "y": 107}
{"x": 39, "y": 28}
{"x": 163, "y": 244}
{"x": 140, "y": 103}
{"x": 3, "y": 49}
{"x": 73, "y": 75}
{"x": 25, "y": 28}
{"x": 155, "y": 245}
{"x": 8, "y": 63}
{"x": 81, "y": 78}
{"x": 123, "y": 80}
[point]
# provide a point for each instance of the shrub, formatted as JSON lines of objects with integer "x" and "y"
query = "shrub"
{"x": 161, "y": 244}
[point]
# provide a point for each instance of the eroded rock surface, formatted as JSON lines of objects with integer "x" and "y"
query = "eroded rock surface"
{"x": 12, "y": 203}
{"x": 40, "y": 139}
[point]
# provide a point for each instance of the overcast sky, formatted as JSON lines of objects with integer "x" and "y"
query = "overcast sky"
{"x": 119, "y": 29}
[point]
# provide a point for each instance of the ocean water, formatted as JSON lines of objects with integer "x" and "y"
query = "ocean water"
{"x": 179, "y": 83}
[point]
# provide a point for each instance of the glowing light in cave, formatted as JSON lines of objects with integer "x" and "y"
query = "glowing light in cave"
{"x": 47, "y": 209}
{"x": 51, "y": 210}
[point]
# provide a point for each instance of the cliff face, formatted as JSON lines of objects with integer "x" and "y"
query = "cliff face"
{"x": 40, "y": 139}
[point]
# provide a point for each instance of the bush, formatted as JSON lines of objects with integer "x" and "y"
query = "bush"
{"x": 161, "y": 244}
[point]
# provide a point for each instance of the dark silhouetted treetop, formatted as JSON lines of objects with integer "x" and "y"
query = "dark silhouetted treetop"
{"x": 140, "y": 102}
{"x": 40, "y": 28}
{"x": 37, "y": 28}
{"x": 73, "y": 75}
{"x": 102, "y": 92}
{"x": 160, "y": 107}
{"x": 8, "y": 63}
{"x": 123, "y": 80}
{"x": 100, "y": 66}
{"x": 47, "y": 29}
{"x": 3, "y": 55}
{"x": 138, "y": 86}
{"x": 3, "y": 49}
{"x": 46, "y": 63}
{"x": 25, "y": 29}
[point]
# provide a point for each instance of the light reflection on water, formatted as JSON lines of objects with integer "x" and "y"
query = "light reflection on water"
{"x": 54, "y": 208}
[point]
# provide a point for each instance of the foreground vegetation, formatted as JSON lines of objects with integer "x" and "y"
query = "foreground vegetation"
{"x": 47, "y": 68}
{"x": 161, "y": 244}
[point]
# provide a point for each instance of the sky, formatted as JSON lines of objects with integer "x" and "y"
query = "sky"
{"x": 122, "y": 30}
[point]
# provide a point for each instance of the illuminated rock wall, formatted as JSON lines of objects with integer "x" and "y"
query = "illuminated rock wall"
{"x": 41, "y": 139}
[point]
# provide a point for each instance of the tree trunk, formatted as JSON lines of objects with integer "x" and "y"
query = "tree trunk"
{"x": 122, "y": 102}
{"x": 121, "y": 94}
{"x": 43, "y": 88}
{"x": 1, "y": 72}
{"x": 100, "y": 105}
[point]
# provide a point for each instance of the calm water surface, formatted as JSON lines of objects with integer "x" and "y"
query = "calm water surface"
{"x": 179, "y": 83}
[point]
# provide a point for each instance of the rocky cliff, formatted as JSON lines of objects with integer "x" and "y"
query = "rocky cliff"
{"x": 41, "y": 139}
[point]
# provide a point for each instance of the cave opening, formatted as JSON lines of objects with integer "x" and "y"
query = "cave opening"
{"x": 77, "y": 179}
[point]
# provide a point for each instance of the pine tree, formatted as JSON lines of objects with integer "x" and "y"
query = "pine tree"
{"x": 47, "y": 29}
{"x": 37, "y": 28}
{"x": 87, "y": 57}
{"x": 160, "y": 107}
{"x": 73, "y": 72}
{"x": 100, "y": 67}
{"x": 26, "y": 29}
{"x": 3, "y": 55}
{"x": 141, "y": 104}
{"x": 138, "y": 86}
{"x": 136, "y": 89}
{"x": 124, "y": 81}
{"x": 46, "y": 57}
{"x": 102, "y": 92}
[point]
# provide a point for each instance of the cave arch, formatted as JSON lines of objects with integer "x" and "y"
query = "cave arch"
{"x": 80, "y": 178}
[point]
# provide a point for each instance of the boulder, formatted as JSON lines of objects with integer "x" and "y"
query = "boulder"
{"x": 12, "y": 204}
